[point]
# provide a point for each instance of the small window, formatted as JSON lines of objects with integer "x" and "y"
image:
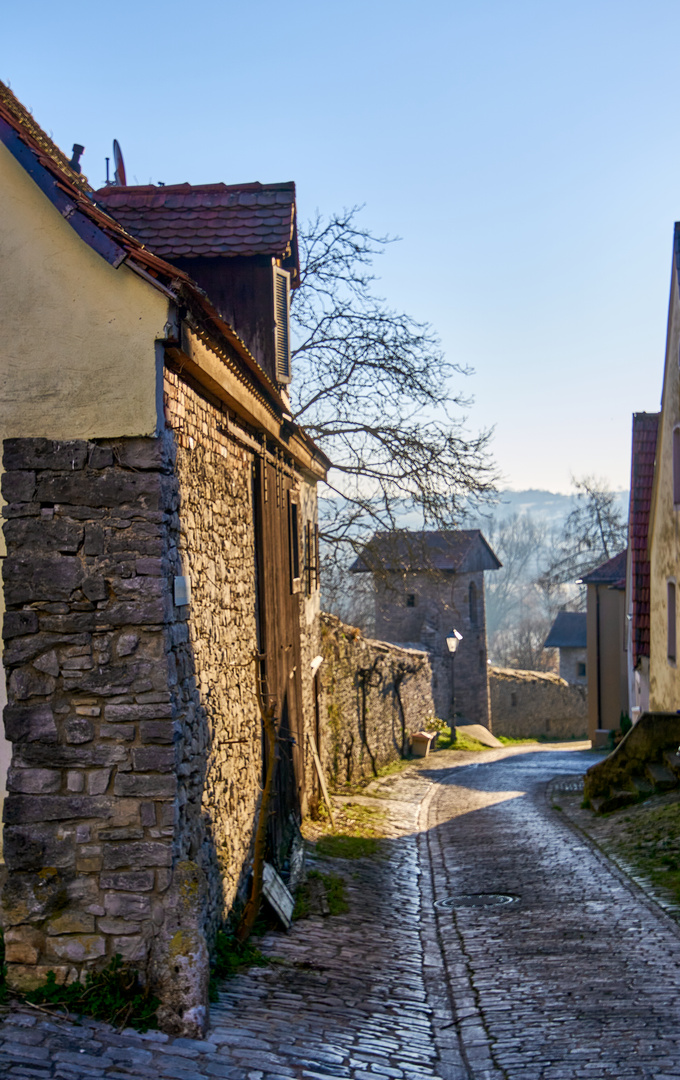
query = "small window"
{"x": 672, "y": 623}
{"x": 581, "y": 670}
{"x": 282, "y": 324}
{"x": 410, "y": 599}
{"x": 472, "y": 603}
{"x": 294, "y": 541}
{"x": 513, "y": 698}
{"x": 482, "y": 663}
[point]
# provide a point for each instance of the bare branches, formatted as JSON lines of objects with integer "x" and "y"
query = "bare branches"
{"x": 373, "y": 388}
{"x": 594, "y": 532}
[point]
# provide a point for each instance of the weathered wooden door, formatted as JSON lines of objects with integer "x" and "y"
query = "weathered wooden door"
{"x": 278, "y": 545}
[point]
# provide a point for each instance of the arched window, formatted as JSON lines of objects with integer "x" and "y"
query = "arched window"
{"x": 472, "y": 601}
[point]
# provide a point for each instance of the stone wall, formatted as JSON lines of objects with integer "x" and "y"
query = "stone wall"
{"x": 373, "y": 696}
{"x": 525, "y": 704}
{"x": 221, "y": 748}
{"x": 94, "y": 712}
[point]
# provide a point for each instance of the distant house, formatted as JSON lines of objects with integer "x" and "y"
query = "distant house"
{"x": 645, "y": 431}
{"x": 607, "y": 644}
{"x": 429, "y": 585}
{"x": 568, "y": 634}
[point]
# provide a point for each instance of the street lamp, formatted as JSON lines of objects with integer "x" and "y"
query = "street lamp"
{"x": 452, "y": 645}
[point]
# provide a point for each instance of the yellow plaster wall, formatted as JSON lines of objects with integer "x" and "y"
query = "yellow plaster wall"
{"x": 77, "y": 355}
{"x": 664, "y": 677}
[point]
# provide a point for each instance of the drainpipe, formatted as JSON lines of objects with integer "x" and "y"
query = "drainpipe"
{"x": 599, "y": 661}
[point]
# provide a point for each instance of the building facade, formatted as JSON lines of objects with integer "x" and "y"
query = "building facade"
{"x": 429, "y": 587}
{"x": 160, "y": 569}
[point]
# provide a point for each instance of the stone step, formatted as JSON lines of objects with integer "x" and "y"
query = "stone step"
{"x": 672, "y": 761}
{"x": 643, "y": 786}
{"x": 615, "y": 800}
{"x": 661, "y": 776}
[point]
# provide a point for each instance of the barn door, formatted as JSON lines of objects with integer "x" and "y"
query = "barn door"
{"x": 277, "y": 533}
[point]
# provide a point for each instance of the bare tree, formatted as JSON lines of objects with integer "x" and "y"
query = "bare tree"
{"x": 373, "y": 388}
{"x": 594, "y": 532}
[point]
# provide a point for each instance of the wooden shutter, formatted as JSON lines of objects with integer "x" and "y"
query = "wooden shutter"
{"x": 282, "y": 324}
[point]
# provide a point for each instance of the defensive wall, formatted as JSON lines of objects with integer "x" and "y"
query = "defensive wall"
{"x": 526, "y": 704}
{"x": 374, "y": 695}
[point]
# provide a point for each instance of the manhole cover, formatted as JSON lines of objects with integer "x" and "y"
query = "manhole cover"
{"x": 476, "y": 900}
{"x": 565, "y": 786}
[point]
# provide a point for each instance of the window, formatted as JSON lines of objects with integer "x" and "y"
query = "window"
{"x": 672, "y": 623}
{"x": 513, "y": 698}
{"x": 581, "y": 670}
{"x": 472, "y": 603}
{"x": 294, "y": 540}
{"x": 676, "y": 466}
{"x": 282, "y": 324}
{"x": 410, "y": 599}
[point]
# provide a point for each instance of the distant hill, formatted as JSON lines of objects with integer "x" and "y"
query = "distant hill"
{"x": 549, "y": 506}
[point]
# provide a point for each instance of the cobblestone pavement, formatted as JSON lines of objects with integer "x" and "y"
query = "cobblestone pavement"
{"x": 578, "y": 978}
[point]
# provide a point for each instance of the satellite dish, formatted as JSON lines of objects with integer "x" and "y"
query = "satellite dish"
{"x": 118, "y": 165}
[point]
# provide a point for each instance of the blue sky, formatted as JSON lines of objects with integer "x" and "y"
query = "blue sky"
{"x": 527, "y": 153}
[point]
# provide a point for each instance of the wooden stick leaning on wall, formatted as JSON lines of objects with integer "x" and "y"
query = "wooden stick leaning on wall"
{"x": 268, "y": 714}
{"x": 322, "y": 779}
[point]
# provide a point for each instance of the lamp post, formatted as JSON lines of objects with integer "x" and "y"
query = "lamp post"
{"x": 452, "y": 645}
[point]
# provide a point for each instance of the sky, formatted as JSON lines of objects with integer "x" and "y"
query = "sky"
{"x": 526, "y": 153}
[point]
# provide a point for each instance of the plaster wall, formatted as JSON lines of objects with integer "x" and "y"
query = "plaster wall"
{"x": 77, "y": 353}
{"x": 664, "y": 677}
{"x": 608, "y": 672}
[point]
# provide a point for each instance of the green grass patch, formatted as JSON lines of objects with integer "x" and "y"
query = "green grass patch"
{"x": 334, "y": 888}
{"x": 343, "y": 846}
{"x": 229, "y": 956}
{"x": 113, "y": 994}
{"x": 507, "y": 741}
{"x": 649, "y": 840}
{"x": 465, "y": 742}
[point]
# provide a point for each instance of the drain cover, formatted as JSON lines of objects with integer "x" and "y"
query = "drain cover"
{"x": 476, "y": 900}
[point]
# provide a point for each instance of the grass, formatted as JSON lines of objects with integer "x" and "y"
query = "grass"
{"x": 344, "y": 846}
{"x": 649, "y": 840}
{"x": 113, "y": 994}
{"x": 507, "y": 741}
{"x": 334, "y": 888}
{"x": 465, "y": 742}
{"x": 229, "y": 956}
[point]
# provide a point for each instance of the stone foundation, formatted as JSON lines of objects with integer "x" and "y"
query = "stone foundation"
{"x": 526, "y": 704}
{"x": 374, "y": 695}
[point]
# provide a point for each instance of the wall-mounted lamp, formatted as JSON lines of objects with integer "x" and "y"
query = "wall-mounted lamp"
{"x": 452, "y": 641}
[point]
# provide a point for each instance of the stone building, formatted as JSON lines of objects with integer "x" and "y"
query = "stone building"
{"x": 160, "y": 533}
{"x": 429, "y": 586}
{"x": 568, "y": 634}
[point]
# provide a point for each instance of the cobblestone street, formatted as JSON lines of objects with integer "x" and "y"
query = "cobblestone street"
{"x": 579, "y": 977}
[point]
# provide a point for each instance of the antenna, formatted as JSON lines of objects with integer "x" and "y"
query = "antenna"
{"x": 118, "y": 165}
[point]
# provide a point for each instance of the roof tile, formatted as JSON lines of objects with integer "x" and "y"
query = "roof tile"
{"x": 247, "y": 219}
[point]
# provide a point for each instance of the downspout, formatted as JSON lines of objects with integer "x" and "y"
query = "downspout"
{"x": 599, "y": 660}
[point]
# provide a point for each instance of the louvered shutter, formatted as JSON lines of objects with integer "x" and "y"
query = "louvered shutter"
{"x": 282, "y": 324}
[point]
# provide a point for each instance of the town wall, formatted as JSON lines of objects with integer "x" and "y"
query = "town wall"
{"x": 374, "y": 695}
{"x": 527, "y": 704}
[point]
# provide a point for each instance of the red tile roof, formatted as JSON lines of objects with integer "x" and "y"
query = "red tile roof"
{"x": 612, "y": 572}
{"x": 207, "y": 220}
{"x": 645, "y": 429}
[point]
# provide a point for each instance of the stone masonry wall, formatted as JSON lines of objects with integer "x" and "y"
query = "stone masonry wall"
{"x": 217, "y": 552}
{"x": 364, "y": 682}
{"x": 94, "y": 713}
{"x": 525, "y": 704}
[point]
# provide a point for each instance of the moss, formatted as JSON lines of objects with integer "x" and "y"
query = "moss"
{"x": 334, "y": 888}
{"x": 342, "y": 846}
